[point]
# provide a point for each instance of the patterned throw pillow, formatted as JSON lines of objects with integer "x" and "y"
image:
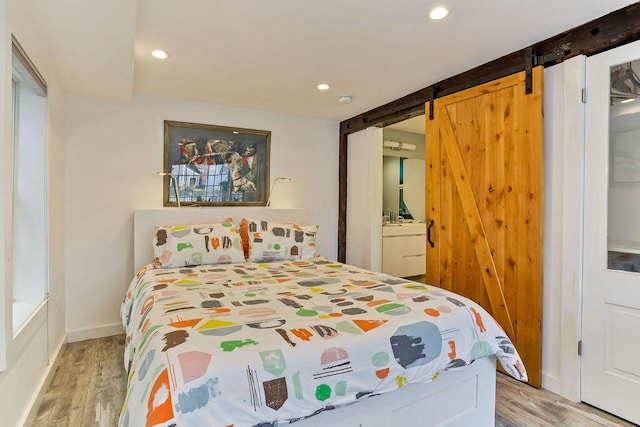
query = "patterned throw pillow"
{"x": 188, "y": 245}
{"x": 274, "y": 241}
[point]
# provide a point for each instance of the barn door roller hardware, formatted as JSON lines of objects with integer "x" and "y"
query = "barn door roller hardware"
{"x": 533, "y": 60}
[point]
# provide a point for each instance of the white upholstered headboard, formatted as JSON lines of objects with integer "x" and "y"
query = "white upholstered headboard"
{"x": 144, "y": 222}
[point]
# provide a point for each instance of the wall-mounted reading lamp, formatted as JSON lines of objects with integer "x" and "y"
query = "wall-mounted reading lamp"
{"x": 175, "y": 184}
{"x": 280, "y": 178}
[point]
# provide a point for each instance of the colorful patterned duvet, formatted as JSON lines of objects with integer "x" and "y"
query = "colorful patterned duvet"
{"x": 251, "y": 344}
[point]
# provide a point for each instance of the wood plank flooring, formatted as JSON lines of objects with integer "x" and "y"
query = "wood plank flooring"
{"x": 88, "y": 386}
{"x": 519, "y": 405}
{"x": 89, "y": 383}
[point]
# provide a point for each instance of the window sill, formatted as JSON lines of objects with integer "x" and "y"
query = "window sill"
{"x": 23, "y": 312}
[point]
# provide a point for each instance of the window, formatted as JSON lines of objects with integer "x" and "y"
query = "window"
{"x": 29, "y": 216}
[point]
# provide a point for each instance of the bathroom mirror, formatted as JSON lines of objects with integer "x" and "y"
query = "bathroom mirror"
{"x": 404, "y": 187}
{"x": 404, "y": 168}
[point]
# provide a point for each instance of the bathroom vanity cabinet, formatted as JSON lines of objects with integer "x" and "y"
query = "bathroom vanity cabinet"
{"x": 404, "y": 249}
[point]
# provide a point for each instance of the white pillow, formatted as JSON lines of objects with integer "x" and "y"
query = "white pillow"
{"x": 189, "y": 245}
{"x": 275, "y": 241}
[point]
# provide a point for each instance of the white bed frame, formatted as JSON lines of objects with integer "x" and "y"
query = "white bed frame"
{"x": 464, "y": 397}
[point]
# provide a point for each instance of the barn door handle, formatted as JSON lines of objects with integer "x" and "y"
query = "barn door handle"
{"x": 431, "y": 224}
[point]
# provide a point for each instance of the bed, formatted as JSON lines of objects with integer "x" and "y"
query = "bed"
{"x": 304, "y": 341}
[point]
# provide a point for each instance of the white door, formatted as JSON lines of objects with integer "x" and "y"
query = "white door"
{"x": 611, "y": 291}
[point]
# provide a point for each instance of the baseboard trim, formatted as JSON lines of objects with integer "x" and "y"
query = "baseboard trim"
{"x": 46, "y": 382}
{"x": 97, "y": 332}
{"x": 551, "y": 383}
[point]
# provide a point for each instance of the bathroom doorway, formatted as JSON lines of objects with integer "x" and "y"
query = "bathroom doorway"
{"x": 403, "y": 194}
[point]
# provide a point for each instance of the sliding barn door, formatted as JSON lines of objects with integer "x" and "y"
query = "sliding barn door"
{"x": 484, "y": 196}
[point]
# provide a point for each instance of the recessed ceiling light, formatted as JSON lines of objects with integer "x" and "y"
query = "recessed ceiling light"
{"x": 438, "y": 13}
{"x": 160, "y": 54}
{"x": 624, "y": 101}
{"x": 323, "y": 86}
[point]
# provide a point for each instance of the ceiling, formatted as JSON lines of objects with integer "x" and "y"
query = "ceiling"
{"x": 270, "y": 55}
{"x": 413, "y": 125}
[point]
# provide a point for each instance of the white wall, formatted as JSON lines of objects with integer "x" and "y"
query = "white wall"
{"x": 29, "y": 353}
{"x": 364, "y": 199}
{"x": 113, "y": 152}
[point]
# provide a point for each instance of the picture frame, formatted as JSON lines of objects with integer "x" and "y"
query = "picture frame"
{"x": 215, "y": 165}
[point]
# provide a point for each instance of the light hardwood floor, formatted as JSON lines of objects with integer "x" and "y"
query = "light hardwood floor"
{"x": 89, "y": 383}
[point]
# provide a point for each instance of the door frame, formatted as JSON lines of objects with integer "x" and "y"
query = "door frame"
{"x": 572, "y": 139}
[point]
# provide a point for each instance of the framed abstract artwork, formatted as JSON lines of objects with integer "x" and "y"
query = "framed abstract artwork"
{"x": 209, "y": 165}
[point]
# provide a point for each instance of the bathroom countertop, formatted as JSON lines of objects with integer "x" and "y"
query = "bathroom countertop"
{"x": 404, "y": 229}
